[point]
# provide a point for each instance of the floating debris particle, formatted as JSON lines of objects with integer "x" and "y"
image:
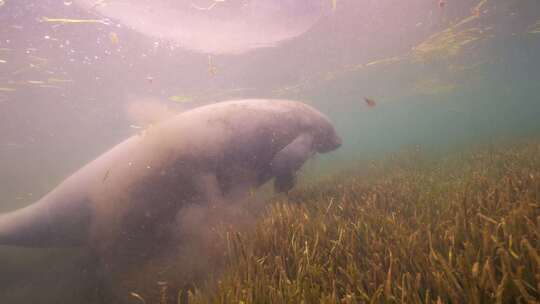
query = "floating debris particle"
{"x": 58, "y": 80}
{"x": 334, "y": 4}
{"x": 2, "y": 61}
{"x": 286, "y": 90}
{"x": 150, "y": 79}
{"x": 11, "y": 145}
{"x": 163, "y": 288}
{"x": 369, "y": 102}
{"x": 212, "y": 69}
{"x": 35, "y": 82}
{"x": 37, "y": 58}
{"x": 463, "y": 68}
{"x": 138, "y": 297}
{"x": 450, "y": 41}
{"x": 2, "y": 2}
{"x": 211, "y": 6}
{"x": 447, "y": 43}
{"x": 433, "y": 87}
{"x": 180, "y": 98}
{"x": 99, "y": 3}
{"x": 49, "y": 86}
{"x": 135, "y": 127}
{"x": 113, "y": 37}
{"x": 535, "y": 28}
{"x": 106, "y": 176}
{"x": 476, "y": 12}
{"x": 383, "y": 61}
{"x": 442, "y": 4}
{"x": 4, "y": 89}
{"x": 67, "y": 20}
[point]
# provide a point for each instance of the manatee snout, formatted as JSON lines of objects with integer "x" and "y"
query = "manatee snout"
{"x": 328, "y": 141}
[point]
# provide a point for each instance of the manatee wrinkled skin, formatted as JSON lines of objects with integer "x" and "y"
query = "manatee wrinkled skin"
{"x": 127, "y": 199}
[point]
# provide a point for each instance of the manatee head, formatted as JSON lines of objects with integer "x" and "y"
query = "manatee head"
{"x": 325, "y": 138}
{"x": 318, "y": 136}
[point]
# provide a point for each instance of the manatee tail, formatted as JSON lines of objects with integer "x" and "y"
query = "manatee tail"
{"x": 39, "y": 226}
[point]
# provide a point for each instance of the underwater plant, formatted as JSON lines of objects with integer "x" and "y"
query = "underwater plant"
{"x": 460, "y": 229}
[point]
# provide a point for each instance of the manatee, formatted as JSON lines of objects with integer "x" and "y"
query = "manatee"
{"x": 214, "y": 26}
{"x": 127, "y": 199}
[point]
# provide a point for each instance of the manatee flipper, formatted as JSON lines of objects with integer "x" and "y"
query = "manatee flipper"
{"x": 285, "y": 182}
{"x": 289, "y": 160}
{"x": 208, "y": 189}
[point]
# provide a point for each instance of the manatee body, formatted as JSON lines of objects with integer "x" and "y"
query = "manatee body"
{"x": 127, "y": 199}
{"x": 199, "y": 155}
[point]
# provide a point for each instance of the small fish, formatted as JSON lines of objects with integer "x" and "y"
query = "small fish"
{"x": 370, "y": 102}
{"x": 113, "y": 37}
{"x": 150, "y": 79}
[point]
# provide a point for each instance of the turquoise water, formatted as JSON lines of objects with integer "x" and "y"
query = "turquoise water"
{"x": 443, "y": 77}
